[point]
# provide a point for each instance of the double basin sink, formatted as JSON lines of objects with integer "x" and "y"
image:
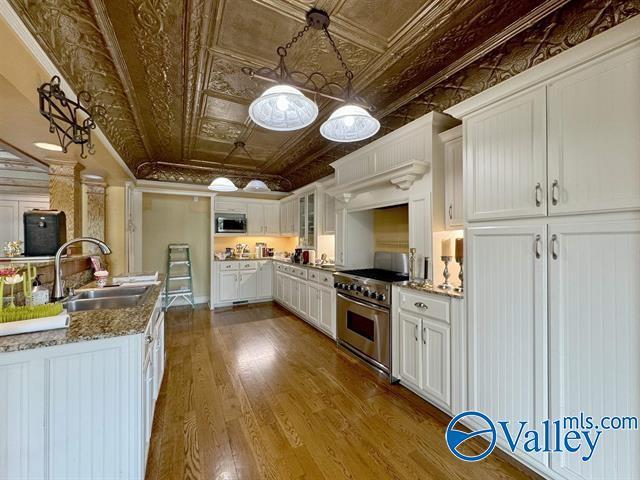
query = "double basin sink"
{"x": 106, "y": 298}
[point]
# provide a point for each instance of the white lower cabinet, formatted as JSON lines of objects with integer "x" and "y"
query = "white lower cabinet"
{"x": 423, "y": 324}
{"x": 554, "y": 332}
{"x": 242, "y": 281}
{"x": 327, "y": 321}
{"x": 80, "y": 410}
{"x": 306, "y": 292}
{"x": 506, "y": 284}
{"x": 594, "y": 338}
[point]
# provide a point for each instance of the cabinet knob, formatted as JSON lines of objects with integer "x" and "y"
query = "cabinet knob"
{"x": 421, "y": 305}
{"x": 148, "y": 339}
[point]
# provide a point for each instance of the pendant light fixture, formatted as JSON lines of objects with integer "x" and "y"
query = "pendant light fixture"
{"x": 284, "y": 107}
{"x": 222, "y": 184}
{"x": 256, "y": 186}
{"x": 349, "y": 123}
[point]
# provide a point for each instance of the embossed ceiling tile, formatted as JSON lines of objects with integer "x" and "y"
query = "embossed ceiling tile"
{"x": 382, "y": 17}
{"x": 67, "y": 30}
{"x": 226, "y": 79}
{"x": 220, "y": 130}
{"x": 251, "y": 29}
{"x": 455, "y": 34}
{"x": 149, "y": 34}
{"x": 224, "y": 109}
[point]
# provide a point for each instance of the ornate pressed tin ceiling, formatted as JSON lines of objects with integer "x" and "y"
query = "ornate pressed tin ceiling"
{"x": 168, "y": 71}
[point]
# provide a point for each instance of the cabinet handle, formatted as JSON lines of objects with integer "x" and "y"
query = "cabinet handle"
{"x": 538, "y": 246}
{"x": 424, "y": 335}
{"x": 415, "y": 332}
{"x": 555, "y": 189}
{"x": 148, "y": 339}
{"x": 450, "y": 211}
{"x": 538, "y": 194}
{"x": 554, "y": 243}
{"x": 421, "y": 305}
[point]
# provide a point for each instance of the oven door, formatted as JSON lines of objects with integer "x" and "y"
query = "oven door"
{"x": 365, "y": 328}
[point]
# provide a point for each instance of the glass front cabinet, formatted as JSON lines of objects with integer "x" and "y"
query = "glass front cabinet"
{"x": 307, "y": 212}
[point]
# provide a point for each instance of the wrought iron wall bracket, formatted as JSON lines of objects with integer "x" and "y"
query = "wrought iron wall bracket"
{"x": 68, "y": 119}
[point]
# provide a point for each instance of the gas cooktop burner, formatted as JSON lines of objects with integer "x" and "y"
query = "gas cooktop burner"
{"x": 378, "y": 274}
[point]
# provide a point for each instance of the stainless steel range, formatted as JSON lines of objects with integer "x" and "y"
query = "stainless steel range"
{"x": 363, "y": 307}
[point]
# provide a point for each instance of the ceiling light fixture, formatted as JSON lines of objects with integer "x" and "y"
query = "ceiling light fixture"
{"x": 284, "y": 107}
{"x": 222, "y": 184}
{"x": 48, "y": 146}
{"x": 69, "y": 120}
{"x": 256, "y": 186}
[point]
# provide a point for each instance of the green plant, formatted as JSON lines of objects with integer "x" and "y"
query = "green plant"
{"x": 28, "y": 312}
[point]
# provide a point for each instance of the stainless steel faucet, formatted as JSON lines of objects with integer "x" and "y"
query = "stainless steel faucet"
{"x": 58, "y": 284}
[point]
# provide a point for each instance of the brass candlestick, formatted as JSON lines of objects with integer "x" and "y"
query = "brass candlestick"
{"x": 460, "y": 275}
{"x": 446, "y": 285}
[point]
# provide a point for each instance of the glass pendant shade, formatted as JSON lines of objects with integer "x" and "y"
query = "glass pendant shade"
{"x": 256, "y": 186}
{"x": 222, "y": 184}
{"x": 283, "y": 108}
{"x": 349, "y": 123}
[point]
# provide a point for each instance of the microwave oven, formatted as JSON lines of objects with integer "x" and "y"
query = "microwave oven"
{"x": 231, "y": 223}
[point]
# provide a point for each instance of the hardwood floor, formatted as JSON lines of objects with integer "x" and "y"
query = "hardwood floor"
{"x": 253, "y": 392}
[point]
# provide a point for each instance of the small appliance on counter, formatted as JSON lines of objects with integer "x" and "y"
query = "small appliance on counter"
{"x": 261, "y": 249}
{"x": 45, "y": 231}
{"x": 304, "y": 255}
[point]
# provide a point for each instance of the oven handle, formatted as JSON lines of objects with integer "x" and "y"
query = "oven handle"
{"x": 362, "y": 304}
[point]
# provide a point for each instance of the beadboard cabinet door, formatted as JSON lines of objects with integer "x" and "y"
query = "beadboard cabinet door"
{"x": 327, "y": 321}
{"x": 594, "y": 138}
{"x": 505, "y": 160}
{"x": 22, "y": 418}
{"x": 594, "y": 305}
{"x": 507, "y": 322}
{"x": 410, "y": 351}
{"x": 453, "y": 197}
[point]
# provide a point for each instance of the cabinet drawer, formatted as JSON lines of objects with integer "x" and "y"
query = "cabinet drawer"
{"x": 326, "y": 278}
{"x": 248, "y": 265}
{"x": 299, "y": 272}
{"x": 425, "y": 305}
{"x": 313, "y": 274}
{"x": 228, "y": 265}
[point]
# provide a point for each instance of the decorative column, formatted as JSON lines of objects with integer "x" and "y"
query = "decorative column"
{"x": 94, "y": 215}
{"x": 65, "y": 194}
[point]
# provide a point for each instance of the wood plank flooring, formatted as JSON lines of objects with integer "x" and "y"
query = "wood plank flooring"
{"x": 255, "y": 393}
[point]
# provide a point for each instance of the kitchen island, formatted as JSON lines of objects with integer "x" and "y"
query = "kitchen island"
{"x": 78, "y": 402}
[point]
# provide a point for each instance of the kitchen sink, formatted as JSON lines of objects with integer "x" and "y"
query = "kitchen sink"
{"x": 106, "y": 298}
{"x": 109, "y": 292}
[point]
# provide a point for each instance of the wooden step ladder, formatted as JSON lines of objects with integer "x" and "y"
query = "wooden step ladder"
{"x": 179, "y": 282}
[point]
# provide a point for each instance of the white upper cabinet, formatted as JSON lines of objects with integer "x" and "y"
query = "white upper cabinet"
{"x": 263, "y": 218}
{"x": 255, "y": 218}
{"x": 328, "y": 215}
{"x": 272, "y": 218}
{"x": 594, "y": 136}
{"x": 454, "y": 209}
{"x": 594, "y": 307}
{"x": 505, "y": 159}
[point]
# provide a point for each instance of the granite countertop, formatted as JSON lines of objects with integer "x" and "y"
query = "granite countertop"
{"x": 89, "y": 325}
{"x": 421, "y": 287}
{"x": 40, "y": 261}
{"x": 282, "y": 260}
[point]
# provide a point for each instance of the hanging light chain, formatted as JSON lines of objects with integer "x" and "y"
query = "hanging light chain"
{"x": 347, "y": 71}
{"x": 293, "y": 40}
